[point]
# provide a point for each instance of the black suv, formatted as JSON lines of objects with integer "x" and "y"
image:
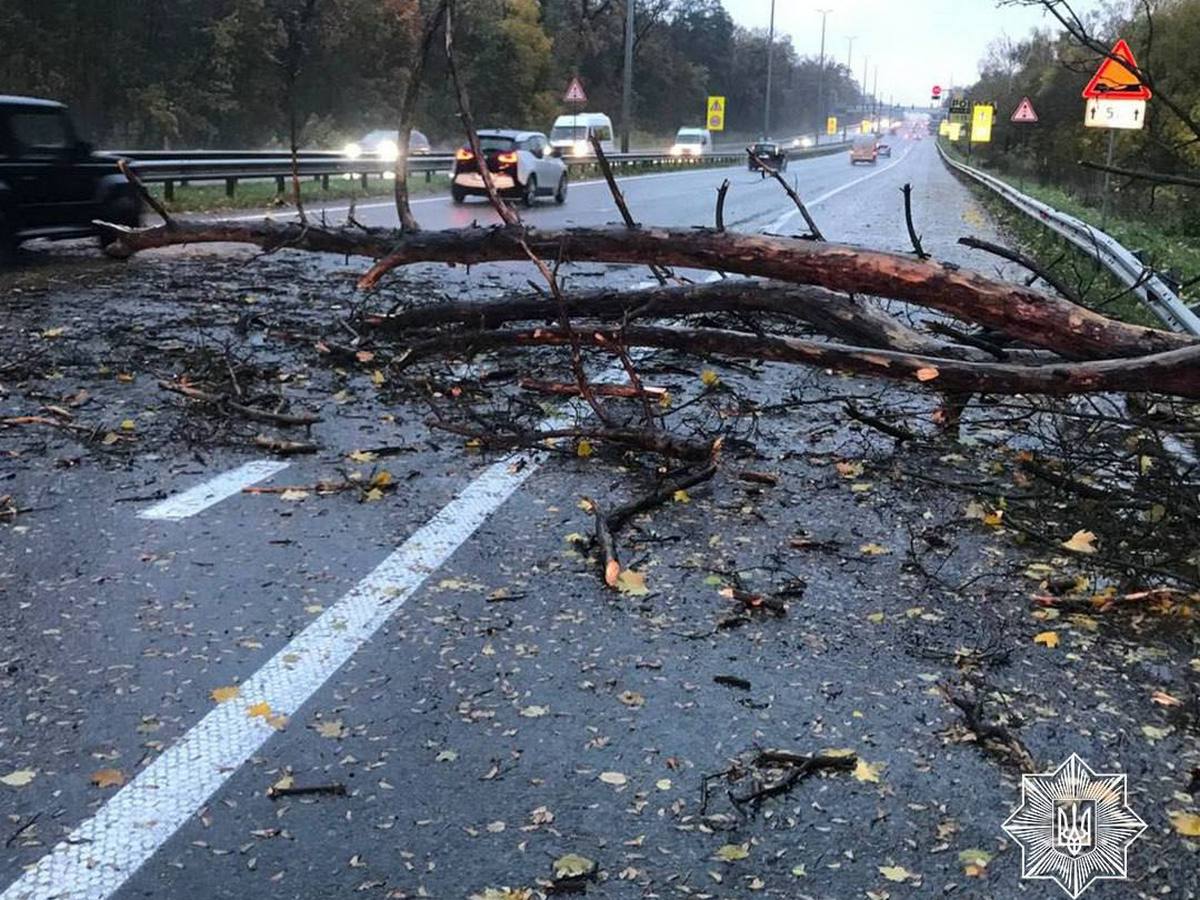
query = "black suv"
{"x": 51, "y": 183}
{"x": 769, "y": 152}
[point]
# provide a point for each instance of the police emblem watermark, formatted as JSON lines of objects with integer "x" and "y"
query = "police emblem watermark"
{"x": 1074, "y": 826}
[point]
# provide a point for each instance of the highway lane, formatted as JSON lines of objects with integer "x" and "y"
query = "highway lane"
{"x": 154, "y": 615}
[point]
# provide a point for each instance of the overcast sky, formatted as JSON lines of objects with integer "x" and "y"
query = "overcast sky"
{"x": 915, "y": 43}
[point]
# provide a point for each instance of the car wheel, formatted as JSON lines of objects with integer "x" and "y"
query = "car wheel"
{"x": 560, "y": 196}
{"x": 529, "y": 198}
{"x": 457, "y": 194}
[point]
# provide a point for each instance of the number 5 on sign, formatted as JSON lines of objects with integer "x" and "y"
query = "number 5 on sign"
{"x": 1128, "y": 114}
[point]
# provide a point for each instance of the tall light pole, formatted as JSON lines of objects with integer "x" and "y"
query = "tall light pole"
{"x": 875, "y": 94}
{"x": 821, "y": 78}
{"x": 627, "y": 88}
{"x": 770, "y": 53}
{"x": 866, "y": 61}
{"x": 850, "y": 52}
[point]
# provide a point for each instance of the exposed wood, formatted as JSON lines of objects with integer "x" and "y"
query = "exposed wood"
{"x": 604, "y": 541}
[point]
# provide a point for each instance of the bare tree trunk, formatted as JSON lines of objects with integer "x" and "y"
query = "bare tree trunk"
{"x": 408, "y": 106}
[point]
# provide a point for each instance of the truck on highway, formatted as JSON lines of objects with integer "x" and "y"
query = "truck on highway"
{"x": 52, "y": 184}
{"x": 572, "y": 134}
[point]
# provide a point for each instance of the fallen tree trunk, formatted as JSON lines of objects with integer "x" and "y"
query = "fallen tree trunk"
{"x": 853, "y": 319}
{"x": 1174, "y": 372}
{"x": 1020, "y": 312}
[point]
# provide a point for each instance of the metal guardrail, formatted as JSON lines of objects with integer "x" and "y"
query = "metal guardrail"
{"x": 169, "y": 167}
{"x": 1141, "y": 280}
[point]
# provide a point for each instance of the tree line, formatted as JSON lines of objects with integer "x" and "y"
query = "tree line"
{"x": 1052, "y": 66}
{"x": 241, "y": 73}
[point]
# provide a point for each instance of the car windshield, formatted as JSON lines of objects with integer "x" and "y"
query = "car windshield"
{"x": 865, "y": 142}
{"x": 40, "y": 129}
{"x": 690, "y": 137}
{"x": 569, "y": 133}
{"x": 764, "y": 148}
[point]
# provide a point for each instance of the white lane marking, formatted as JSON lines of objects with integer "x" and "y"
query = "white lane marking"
{"x": 817, "y": 201}
{"x": 99, "y": 856}
{"x": 209, "y": 493}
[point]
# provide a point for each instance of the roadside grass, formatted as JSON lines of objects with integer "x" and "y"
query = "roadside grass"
{"x": 262, "y": 194}
{"x": 1161, "y": 248}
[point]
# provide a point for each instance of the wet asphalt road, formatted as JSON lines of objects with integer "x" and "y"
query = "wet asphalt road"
{"x": 470, "y": 731}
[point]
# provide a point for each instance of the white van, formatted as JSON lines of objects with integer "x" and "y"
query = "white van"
{"x": 572, "y": 134}
{"x": 692, "y": 142}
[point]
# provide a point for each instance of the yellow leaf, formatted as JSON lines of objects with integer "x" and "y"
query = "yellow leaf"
{"x": 572, "y": 865}
{"x": 732, "y": 852}
{"x": 681, "y": 496}
{"x": 709, "y": 378}
{"x": 361, "y": 456}
{"x": 584, "y": 448}
{"x": 504, "y": 893}
{"x": 974, "y": 861}
{"x": 994, "y": 518}
{"x": 631, "y": 699}
{"x": 895, "y": 873}
{"x": 222, "y": 694}
{"x": 128, "y": 425}
{"x": 534, "y": 712}
{"x": 330, "y": 728}
{"x": 873, "y": 550}
{"x": 261, "y": 708}
{"x": 1047, "y": 639}
{"x": 19, "y": 778}
{"x": 632, "y": 583}
{"x": 1081, "y": 542}
{"x": 382, "y": 478}
{"x": 867, "y": 772}
{"x": 293, "y": 495}
{"x": 663, "y": 784}
{"x": 875, "y": 618}
{"x": 665, "y": 400}
{"x": 53, "y": 332}
{"x": 616, "y": 779}
{"x": 377, "y": 377}
{"x": 928, "y": 373}
{"x": 860, "y": 487}
{"x": 125, "y": 377}
{"x": 1186, "y": 823}
{"x": 849, "y": 469}
{"x": 106, "y": 778}
{"x": 374, "y": 495}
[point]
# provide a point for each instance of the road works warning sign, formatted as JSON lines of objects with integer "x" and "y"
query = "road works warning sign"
{"x": 716, "y": 114}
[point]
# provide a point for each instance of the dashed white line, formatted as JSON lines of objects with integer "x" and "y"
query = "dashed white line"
{"x": 106, "y": 850}
{"x": 214, "y": 490}
{"x": 817, "y": 201}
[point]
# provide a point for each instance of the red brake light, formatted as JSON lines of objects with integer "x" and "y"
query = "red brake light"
{"x": 507, "y": 158}
{"x": 462, "y": 154}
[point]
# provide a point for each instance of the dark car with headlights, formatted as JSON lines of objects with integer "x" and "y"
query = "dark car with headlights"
{"x": 52, "y": 184}
{"x": 769, "y": 152}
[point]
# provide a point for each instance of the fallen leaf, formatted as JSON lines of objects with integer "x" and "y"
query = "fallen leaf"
{"x": 534, "y": 712}
{"x": 19, "y": 778}
{"x": 927, "y": 373}
{"x": 1154, "y": 733}
{"x": 106, "y": 778}
{"x": 1047, "y": 639}
{"x": 541, "y": 816}
{"x": 632, "y": 583}
{"x": 663, "y": 784}
{"x": 128, "y": 425}
{"x": 293, "y": 494}
{"x": 873, "y": 550}
{"x": 1081, "y": 542}
{"x": 504, "y": 893}
{"x": 330, "y": 728}
{"x": 732, "y": 852}
{"x": 361, "y": 456}
{"x": 584, "y": 448}
{"x": 222, "y": 694}
{"x": 1162, "y": 698}
{"x": 616, "y": 779}
{"x": 262, "y": 709}
{"x": 446, "y": 756}
{"x": 380, "y": 479}
{"x": 1186, "y": 823}
{"x": 681, "y": 496}
{"x": 572, "y": 865}
{"x": 632, "y": 699}
{"x": 896, "y": 873}
{"x": 849, "y": 469}
{"x": 974, "y": 861}
{"x": 868, "y": 772}
{"x": 709, "y": 378}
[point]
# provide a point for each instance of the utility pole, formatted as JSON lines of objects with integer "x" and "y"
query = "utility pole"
{"x": 770, "y": 52}
{"x": 875, "y": 97}
{"x": 850, "y": 52}
{"x": 866, "y": 62}
{"x": 821, "y": 79}
{"x": 627, "y": 88}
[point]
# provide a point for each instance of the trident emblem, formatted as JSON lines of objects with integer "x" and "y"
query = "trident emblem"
{"x": 1074, "y": 834}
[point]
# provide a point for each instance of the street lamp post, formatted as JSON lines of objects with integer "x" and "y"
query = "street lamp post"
{"x": 866, "y": 66}
{"x": 627, "y": 88}
{"x": 770, "y": 53}
{"x": 821, "y": 78}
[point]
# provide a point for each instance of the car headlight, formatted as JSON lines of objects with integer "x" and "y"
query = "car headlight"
{"x": 352, "y": 150}
{"x": 806, "y": 142}
{"x": 677, "y": 150}
{"x": 389, "y": 151}
{"x": 580, "y": 148}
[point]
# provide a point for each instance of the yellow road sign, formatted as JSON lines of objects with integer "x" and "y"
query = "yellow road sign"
{"x": 866, "y": 126}
{"x": 944, "y": 128}
{"x": 831, "y": 125}
{"x": 955, "y": 131}
{"x": 981, "y": 123}
{"x": 715, "y": 114}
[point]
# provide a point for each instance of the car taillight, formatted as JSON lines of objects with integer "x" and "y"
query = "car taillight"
{"x": 506, "y": 159}
{"x": 462, "y": 154}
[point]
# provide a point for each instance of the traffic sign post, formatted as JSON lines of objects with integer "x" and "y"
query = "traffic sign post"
{"x": 715, "y": 114}
{"x": 935, "y": 93}
{"x": 1116, "y": 99}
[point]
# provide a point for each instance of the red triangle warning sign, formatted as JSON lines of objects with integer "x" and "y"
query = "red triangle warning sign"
{"x": 575, "y": 92}
{"x": 1024, "y": 112}
{"x": 1114, "y": 81}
